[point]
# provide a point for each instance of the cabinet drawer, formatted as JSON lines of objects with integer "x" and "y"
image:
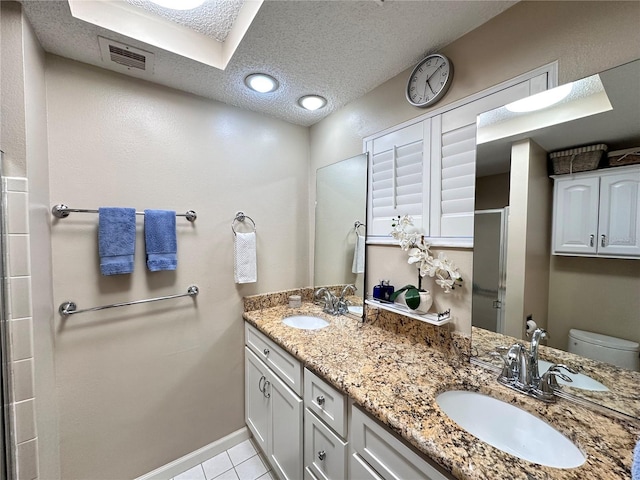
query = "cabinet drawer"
{"x": 325, "y": 454}
{"x": 388, "y": 455}
{"x": 282, "y": 363}
{"x": 326, "y": 402}
{"x": 361, "y": 470}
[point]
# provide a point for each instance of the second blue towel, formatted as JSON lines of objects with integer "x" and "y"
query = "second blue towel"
{"x": 160, "y": 239}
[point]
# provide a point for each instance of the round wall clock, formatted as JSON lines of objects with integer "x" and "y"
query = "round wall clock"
{"x": 429, "y": 80}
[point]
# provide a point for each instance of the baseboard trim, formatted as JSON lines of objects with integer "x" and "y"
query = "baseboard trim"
{"x": 192, "y": 459}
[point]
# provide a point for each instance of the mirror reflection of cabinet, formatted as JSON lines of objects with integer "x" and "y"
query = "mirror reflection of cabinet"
{"x": 598, "y": 213}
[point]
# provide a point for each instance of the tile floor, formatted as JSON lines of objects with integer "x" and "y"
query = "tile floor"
{"x": 242, "y": 462}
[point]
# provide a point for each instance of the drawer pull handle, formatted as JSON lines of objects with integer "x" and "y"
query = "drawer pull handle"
{"x": 264, "y": 389}
{"x": 266, "y": 352}
{"x": 260, "y": 387}
{"x": 591, "y": 240}
{"x": 321, "y": 455}
{"x": 320, "y": 400}
{"x": 603, "y": 240}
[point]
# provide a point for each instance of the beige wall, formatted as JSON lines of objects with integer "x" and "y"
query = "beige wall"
{"x": 141, "y": 386}
{"x": 594, "y": 294}
{"x": 584, "y": 37}
{"x": 40, "y": 250}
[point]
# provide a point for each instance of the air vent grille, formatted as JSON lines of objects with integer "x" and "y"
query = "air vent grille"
{"x": 119, "y": 56}
{"x": 127, "y": 58}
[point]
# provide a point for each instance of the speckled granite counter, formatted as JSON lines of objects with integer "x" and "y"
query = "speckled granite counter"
{"x": 386, "y": 367}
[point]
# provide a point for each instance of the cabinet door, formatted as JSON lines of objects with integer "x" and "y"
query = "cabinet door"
{"x": 256, "y": 404}
{"x": 285, "y": 439}
{"x": 575, "y": 216}
{"x": 619, "y": 224}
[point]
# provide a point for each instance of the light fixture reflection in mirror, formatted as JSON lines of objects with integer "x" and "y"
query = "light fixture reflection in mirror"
{"x": 341, "y": 192}
{"x": 565, "y": 103}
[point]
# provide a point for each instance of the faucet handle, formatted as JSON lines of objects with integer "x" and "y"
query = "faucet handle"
{"x": 548, "y": 380}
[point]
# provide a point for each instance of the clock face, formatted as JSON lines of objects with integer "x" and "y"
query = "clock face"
{"x": 429, "y": 80}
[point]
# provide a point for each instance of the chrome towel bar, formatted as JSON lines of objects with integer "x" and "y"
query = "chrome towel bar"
{"x": 70, "y": 308}
{"x": 62, "y": 211}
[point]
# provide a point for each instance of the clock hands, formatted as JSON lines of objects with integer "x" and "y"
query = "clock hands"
{"x": 429, "y": 77}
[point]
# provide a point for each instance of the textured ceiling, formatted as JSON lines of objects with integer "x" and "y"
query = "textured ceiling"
{"x": 339, "y": 49}
{"x": 213, "y": 18}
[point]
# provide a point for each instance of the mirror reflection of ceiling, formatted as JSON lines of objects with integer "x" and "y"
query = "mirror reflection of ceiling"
{"x": 214, "y": 18}
{"x": 618, "y": 128}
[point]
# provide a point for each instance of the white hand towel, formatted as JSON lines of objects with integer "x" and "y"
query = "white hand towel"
{"x": 245, "y": 266}
{"x": 358, "y": 255}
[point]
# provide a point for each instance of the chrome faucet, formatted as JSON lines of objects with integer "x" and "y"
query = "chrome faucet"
{"x": 520, "y": 371}
{"x": 538, "y": 335}
{"x": 330, "y": 300}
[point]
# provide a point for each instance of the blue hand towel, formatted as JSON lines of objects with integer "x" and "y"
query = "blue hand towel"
{"x": 160, "y": 239}
{"x": 635, "y": 469}
{"x": 116, "y": 240}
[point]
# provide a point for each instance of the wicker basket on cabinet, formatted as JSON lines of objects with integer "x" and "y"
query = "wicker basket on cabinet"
{"x": 579, "y": 159}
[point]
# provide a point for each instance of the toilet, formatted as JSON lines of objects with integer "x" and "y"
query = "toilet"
{"x": 617, "y": 351}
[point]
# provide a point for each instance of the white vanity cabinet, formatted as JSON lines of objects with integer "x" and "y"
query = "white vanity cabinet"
{"x": 597, "y": 213}
{"x": 325, "y": 430}
{"x": 379, "y": 454}
{"x": 273, "y": 410}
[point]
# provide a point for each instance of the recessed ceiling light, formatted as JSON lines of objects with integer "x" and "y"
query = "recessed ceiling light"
{"x": 540, "y": 100}
{"x": 179, "y": 4}
{"x": 312, "y": 102}
{"x": 261, "y": 82}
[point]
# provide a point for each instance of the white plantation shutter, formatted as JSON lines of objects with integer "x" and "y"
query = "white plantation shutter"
{"x": 396, "y": 183}
{"x": 457, "y": 195}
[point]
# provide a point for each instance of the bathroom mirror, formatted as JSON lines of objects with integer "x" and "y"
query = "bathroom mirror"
{"x": 341, "y": 196}
{"x": 598, "y": 295}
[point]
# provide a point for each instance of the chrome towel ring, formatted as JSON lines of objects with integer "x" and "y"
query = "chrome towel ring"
{"x": 241, "y": 217}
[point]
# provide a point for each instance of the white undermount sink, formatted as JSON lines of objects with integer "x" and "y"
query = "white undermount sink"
{"x": 305, "y": 322}
{"x": 580, "y": 380}
{"x": 510, "y": 429}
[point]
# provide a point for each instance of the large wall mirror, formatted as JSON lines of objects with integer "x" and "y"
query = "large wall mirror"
{"x": 515, "y": 274}
{"x": 341, "y": 197}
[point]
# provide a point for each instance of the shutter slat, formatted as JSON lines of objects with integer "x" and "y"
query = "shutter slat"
{"x": 457, "y": 206}
{"x": 459, "y": 193}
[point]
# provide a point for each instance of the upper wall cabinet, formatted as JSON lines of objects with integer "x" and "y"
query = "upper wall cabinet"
{"x": 597, "y": 213}
{"x": 426, "y": 168}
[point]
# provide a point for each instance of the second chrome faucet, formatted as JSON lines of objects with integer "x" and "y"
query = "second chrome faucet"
{"x": 520, "y": 371}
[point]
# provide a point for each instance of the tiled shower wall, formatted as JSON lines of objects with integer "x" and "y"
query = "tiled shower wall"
{"x": 24, "y": 441}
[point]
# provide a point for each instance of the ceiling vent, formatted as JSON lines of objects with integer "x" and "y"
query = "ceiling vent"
{"x": 126, "y": 58}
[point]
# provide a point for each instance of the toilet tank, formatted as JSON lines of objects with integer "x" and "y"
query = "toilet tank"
{"x": 617, "y": 351}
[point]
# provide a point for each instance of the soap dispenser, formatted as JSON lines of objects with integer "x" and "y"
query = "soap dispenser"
{"x": 383, "y": 291}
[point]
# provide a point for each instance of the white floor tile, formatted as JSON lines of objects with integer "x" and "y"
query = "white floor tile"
{"x": 267, "y": 476}
{"x": 195, "y": 473}
{"x": 251, "y": 469}
{"x": 217, "y": 465}
{"x": 241, "y": 452}
{"x": 228, "y": 475}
